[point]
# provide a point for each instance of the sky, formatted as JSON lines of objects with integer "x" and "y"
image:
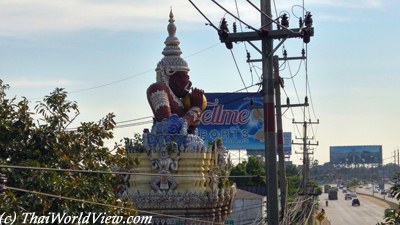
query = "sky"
{"x": 104, "y": 54}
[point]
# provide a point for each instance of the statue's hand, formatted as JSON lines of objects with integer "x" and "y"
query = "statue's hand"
{"x": 196, "y": 97}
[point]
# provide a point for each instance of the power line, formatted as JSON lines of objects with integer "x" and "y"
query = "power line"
{"x": 290, "y": 69}
{"x": 276, "y": 11}
{"x": 151, "y": 121}
{"x": 205, "y": 17}
{"x": 291, "y": 109}
{"x": 142, "y": 118}
{"x": 237, "y": 18}
{"x": 123, "y": 125}
{"x": 309, "y": 89}
{"x": 308, "y": 92}
{"x": 272, "y": 20}
{"x": 111, "y": 172}
{"x": 129, "y": 77}
{"x": 134, "y": 124}
{"x": 237, "y": 67}
{"x": 103, "y": 85}
{"x": 245, "y": 46}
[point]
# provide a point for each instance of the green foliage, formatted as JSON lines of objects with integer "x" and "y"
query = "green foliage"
{"x": 223, "y": 181}
{"x": 317, "y": 189}
{"x": 172, "y": 147}
{"x": 293, "y": 182}
{"x": 137, "y": 140}
{"x": 46, "y": 141}
{"x": 353, "y": 183}
{"x": 256, "y": 166}
{"x": 253, "y": 167}
{"x": 394, "y": 217}
{"x": 134, "y": 144}
{"x": 218, "y": 141}
{"x": 240, "y": 170}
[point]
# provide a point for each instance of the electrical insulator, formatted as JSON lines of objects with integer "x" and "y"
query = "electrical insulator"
{"x": 234, "y": 27}
{"x": 308, "y": 21}
{"x": 248, "y": 56}
{"x": 288, "y": 101}
{"x": 285, "y": 21}
{"x": 223, "y": 33}
{"x": 285, "y": 53}
{"x": 223, "y": 25}
{"x": 300, "y": 22}
{"x": 306, "y": 100}
{"x": 303, "y": 52}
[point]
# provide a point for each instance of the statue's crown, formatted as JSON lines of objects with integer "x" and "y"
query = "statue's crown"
{"x": 171, "y": 62}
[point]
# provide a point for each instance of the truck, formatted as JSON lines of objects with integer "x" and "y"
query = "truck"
{"x": 326, "y": 188}
{"x": 332, "y": 194}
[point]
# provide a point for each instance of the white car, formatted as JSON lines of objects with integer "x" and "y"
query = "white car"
{"x": 353, "y": 195}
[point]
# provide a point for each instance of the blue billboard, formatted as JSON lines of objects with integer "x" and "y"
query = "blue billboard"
{"x": 238, "y": 119}
{"x": 358, "y": 154}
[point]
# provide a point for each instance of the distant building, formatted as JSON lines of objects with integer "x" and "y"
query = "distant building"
{"x": 248, "y": 208}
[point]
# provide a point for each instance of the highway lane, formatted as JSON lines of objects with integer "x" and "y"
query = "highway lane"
{"x": 341, "y": 212}
{"x": 378, "y": 195}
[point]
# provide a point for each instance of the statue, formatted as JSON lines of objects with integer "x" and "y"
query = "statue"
{"x": 172, "y": 153}
{"x": 164, "y": 182}
{"x": 173, "y": 92}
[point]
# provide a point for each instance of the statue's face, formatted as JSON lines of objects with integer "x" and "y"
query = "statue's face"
{"x": 180, "y": 84}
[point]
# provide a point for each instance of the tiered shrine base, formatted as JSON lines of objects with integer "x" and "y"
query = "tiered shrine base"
{"x": 180, "y": 181}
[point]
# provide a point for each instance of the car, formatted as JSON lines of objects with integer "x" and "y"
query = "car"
{"x": 353, "y": 195}
{"x": 344, "y": 191}
{"x": 383, "y": 192}
{"x": 355, "y": 201}
{"x": 347, "y": 196}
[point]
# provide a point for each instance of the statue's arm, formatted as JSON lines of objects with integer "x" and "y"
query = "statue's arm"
{"x": 194, "y": 113}
{"x": 157, "y": 95}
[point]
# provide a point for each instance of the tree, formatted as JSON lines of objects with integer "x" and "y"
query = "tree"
{"x": 41, "y": 138}
{"x": 256, "y": 166}
{"x": 294, "y": 181}
{"x": 253, "y": 167}
{"x": 394, "y": 216}
{"x": 353, "y": 183}
{"x": 240, "y": 170}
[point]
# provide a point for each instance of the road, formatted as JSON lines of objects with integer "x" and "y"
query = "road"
{"x": 378, "y": 195}
{"x": 341, "y": 212}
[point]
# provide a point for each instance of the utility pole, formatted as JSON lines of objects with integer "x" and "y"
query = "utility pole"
{"x": 269, "y": 117}
{"x": 279, "y": 134}
{"x": 306, "y": 159}
{"x": 266, "y": 34}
